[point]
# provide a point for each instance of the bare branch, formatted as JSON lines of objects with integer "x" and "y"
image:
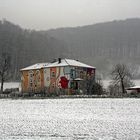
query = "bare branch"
{"x": 121, "y": 76}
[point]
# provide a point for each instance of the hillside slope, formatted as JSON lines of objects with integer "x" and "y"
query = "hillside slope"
{"x": 27, "y": 47}
{"x": 103, "y": 44}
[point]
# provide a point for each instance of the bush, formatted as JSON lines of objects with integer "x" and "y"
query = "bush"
{"x": 97, "y": 89}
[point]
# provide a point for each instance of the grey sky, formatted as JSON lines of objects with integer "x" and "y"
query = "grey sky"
{"x": 46, "y": 14}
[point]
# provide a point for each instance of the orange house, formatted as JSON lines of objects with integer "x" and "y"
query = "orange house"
{"x": 32, "y": 78}
{"x": 65, "y": 74}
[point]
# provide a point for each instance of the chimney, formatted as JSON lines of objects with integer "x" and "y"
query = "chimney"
{"x": 59, "y": 60}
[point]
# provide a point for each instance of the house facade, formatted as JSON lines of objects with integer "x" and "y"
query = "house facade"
{"x": 66, "y": 75}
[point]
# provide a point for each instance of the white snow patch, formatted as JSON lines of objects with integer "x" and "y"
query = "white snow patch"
{"x": 11, "y": 85}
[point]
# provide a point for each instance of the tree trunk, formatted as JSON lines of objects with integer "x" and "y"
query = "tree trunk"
{"x": 122, "y": 84}
{"x": 2, "y": 81}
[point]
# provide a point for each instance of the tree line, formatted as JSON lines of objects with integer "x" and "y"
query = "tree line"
{"x": 27, "y": 47}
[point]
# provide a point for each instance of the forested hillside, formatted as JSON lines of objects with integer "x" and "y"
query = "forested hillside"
{"x": 27, "y": 47}
{"x": 101, "y": 45}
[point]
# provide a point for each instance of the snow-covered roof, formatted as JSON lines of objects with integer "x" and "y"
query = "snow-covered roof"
{"x": 135, "y": 87}
{"x": 64, "y": 62}
{"x": 36, "y": 66}
{"x": 69, "y": 62}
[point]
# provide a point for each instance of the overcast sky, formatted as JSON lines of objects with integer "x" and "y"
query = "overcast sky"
{"x": 47, "y": 14}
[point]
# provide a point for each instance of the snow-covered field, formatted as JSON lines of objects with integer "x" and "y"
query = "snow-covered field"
{"x": 70, "y": 119}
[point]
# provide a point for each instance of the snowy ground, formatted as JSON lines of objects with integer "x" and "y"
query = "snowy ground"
{"x": 70, "y": 119}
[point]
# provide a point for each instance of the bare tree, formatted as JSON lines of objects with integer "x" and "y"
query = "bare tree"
{"x": 4, "y": 68}
{"x": 122, "y": 76}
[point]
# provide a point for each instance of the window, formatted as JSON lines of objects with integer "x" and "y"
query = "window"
{"x": 72, "y": 74}
{"x": 53, "y": 74}
{"x": 31, "y": 74}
